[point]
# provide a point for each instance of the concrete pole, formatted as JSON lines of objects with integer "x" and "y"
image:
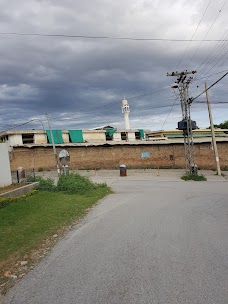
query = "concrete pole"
{"x": 212, "y": 131}
{"x": 53, "y": 145}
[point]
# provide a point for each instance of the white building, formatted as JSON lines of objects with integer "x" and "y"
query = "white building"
{"x": 41, "y": 137}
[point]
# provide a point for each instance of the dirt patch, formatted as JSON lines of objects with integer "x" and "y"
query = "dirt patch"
{"x": 11, "y": 187}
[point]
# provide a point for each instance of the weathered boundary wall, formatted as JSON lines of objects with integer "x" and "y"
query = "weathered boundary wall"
{"x": 5, "y": 173}
{"x": 109, "y": 157}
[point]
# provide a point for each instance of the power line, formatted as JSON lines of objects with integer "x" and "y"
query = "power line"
{"x": 213, "y": 51}
{"x": 217, "y": 62}
{"x": 207, "y": 33}
{"x": 208, "y": 71}
{"x": 25, "y": 123}
{"x": 108, "y": 37}
{"x": 169, "y": 113}
{"x": 193, "y": 35}
{"x": 199, "y": 102}
{"x": 114, "y": 102}
{"x": 146, "y": 94}
{"x": 210, "y": 75}
{"x": 210, "y": 86}
{"x": 214, "y": 57}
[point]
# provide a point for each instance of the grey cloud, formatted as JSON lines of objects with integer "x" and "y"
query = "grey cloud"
{"x": 81, "y": 82}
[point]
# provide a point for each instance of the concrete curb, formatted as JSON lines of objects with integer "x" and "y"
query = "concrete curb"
{"x": 20, "y": 191}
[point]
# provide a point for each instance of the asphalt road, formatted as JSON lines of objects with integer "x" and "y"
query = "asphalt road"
{"x": 150, "y": 242}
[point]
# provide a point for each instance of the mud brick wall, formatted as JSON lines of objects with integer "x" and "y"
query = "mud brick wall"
{"x": 110, "y": 157}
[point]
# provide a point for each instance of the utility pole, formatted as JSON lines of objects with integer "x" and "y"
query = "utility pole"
{"x": 53, "y": 145}
{"x": 212, "y": 131}
{"x": 186, "y": 125}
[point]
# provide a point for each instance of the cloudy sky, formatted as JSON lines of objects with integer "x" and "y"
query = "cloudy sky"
{"x": 80, "y": 82}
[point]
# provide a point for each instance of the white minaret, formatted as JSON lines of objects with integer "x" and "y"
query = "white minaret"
{"x": 126, "y": 111}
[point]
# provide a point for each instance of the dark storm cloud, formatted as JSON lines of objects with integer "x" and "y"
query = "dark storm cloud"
{"x": 81, "y": 82}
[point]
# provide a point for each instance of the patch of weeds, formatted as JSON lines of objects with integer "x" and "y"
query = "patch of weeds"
{"x": 223, "y": 174}
{"x": 40, "y": 169}
{"x": 188, "y": 177}
{"x": 74, "y": 183}
{"x": 46, "y": 184}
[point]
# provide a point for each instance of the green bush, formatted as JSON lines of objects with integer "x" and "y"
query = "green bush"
{"x": 194, "y": 177}
{"x": 46, "y": 184}
{"x": 74, "y": 183}
{"x": 7, "y": 200}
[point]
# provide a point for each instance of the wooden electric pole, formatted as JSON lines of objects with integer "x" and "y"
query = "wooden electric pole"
{"x": 212, "y": 131}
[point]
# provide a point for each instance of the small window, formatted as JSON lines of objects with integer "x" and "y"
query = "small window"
{"x": 123, "y": 135}
{"x": 171, "y": 157}
{"x": 4, "y": 139}
{"x": 108, "y": 137}
{"x": 27, "y": 138}
{"x": 138, "y": 136}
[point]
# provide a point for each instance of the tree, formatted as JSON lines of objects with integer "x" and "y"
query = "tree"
{"x": 222, "y": 125}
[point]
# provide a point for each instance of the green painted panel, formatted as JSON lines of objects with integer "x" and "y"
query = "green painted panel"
{"x": 141, "y": 132}
{"x": 57, "y": 135}
{"x": 110, "y": 132}
{"x": 76, "y": 136}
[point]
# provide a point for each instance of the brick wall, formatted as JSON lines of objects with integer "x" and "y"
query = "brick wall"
{"x": 108, "y": 157}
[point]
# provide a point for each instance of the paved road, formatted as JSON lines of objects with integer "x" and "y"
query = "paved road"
{"x": 149, "y": 242}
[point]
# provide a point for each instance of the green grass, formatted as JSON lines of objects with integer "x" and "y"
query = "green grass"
{"x": 26, "y": 224}
{"x": 188, "y": 177}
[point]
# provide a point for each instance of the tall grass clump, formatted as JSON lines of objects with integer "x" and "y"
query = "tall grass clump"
{"x": 197, "y": 178}
{"x": 74, "y": 183}
{"x": 46, "y": 184}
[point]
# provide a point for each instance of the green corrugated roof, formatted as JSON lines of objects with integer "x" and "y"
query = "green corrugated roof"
{"x": 141, "y": 132}
{"x": 76, "y": 136}
{"x": 110, "y": 132}
{"x": 57, "y": 135}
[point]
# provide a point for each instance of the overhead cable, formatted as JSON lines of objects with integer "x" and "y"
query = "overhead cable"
{"x": 210, "y": 87}
{"x": 175, "y": 100}
{"x": 210, "y": 75}
{"x": 25, "y": 123}
{"x": 193, "y": 35}
{"x": 207, "y": 33}
{"x": 107, "y": 37}
{"x": 219, "y": 49}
